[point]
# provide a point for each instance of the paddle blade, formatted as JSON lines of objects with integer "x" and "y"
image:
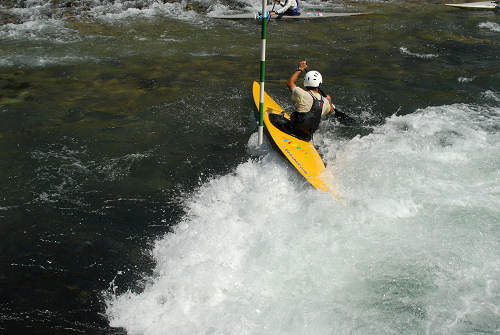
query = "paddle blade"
{"x": 342, "y": 117}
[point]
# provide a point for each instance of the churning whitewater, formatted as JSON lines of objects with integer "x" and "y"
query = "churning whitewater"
{"x": 412, "y": 246}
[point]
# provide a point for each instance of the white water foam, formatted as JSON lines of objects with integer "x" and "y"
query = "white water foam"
{"x": 39, "y": 29}
{"x": 121, "y": 10}
{"x": 490, "y": 95}
{"x": 406, "y": 52}
{"x": 491, "y": 26}
{"x": 412, "y": 246}
{"x": 464, "y": 80}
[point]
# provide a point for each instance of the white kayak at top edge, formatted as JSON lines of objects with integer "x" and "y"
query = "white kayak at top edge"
{"x": 305, "y": 15}
{"x": 474, "y": 5}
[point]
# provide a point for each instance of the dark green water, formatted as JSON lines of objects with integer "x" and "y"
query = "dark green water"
{"x": 108, "y": 127}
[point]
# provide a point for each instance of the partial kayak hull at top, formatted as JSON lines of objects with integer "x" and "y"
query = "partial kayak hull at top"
{"x": 301, "y": 154}
{"x": 482, "y": 5}
{"x": 302, "y": 16}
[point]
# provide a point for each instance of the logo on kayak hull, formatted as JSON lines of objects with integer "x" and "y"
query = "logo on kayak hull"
{"x": 293, "y": 157}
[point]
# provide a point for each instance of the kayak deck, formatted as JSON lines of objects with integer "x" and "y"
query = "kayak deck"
{"x": 301, "y": 154}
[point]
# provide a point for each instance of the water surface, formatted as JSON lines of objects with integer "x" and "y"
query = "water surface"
{"x": 133, "y": 198}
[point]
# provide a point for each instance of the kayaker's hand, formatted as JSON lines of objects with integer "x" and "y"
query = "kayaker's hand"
{"x": 332, "y": 106}
{"x": 302, "y": 65}
{"x": 290, "y": 83}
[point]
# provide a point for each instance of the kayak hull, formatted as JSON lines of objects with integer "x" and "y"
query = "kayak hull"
{"x": 303, "y": 16}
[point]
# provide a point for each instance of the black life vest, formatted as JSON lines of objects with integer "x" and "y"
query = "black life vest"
{"x": 309, "y": 122}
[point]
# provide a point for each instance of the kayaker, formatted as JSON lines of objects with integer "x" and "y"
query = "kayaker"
{"x": 310, "y": 105}
{"x": 288, "y": 7}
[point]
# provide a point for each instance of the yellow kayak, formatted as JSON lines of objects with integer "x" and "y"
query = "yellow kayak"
{"x": 301, "y": 154}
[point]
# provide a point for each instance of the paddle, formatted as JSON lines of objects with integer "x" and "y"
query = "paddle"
{"x": 272, "y": 10}
{"x": 342, "y": 117}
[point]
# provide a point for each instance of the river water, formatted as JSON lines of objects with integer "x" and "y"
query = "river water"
{"x": 134, "y": 199}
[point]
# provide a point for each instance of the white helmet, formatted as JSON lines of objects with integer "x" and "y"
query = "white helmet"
{"x": 312, "y": 79}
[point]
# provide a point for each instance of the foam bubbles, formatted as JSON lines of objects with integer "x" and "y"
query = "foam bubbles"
{"x": 407, "y": 52}
{"x": 411, "y": 247}
{"x": 491, "y": 95}
{"x": 39, "y": 29}
{"x": 465, "y": 80}
{"x": 118, "y": 11}
{"x": 495, "y": 27}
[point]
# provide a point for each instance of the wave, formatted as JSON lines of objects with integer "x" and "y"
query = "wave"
{"x": 464, "y": 80}
{"x": 41, "y": 61}
{"x": 39, "y": 29}
{"x": 491, "y": 95}
{"x": 411, "y": 246}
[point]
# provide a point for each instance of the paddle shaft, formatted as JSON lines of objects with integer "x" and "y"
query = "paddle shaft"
{"x": 338, "y": 114}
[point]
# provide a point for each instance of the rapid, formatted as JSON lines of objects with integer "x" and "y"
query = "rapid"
{"x": 135, "y": 200}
